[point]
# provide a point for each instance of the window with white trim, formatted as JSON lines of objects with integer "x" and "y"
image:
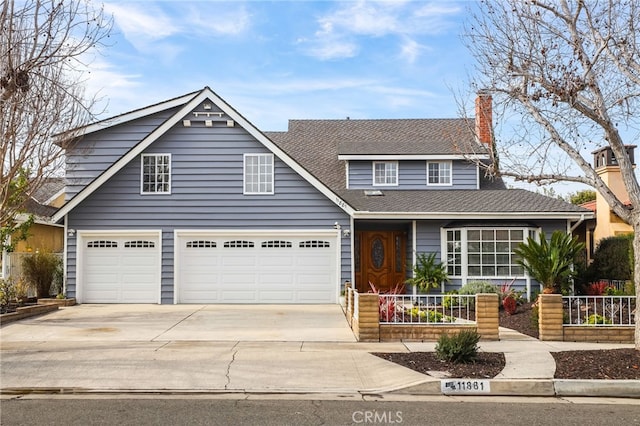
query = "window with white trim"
{"x": 484, "y": 252}
{"x": 258, "y": 174}
{"x": 156, "y": 173}
{"x": 439, "y": 173}
{"x": 385, "y": 173}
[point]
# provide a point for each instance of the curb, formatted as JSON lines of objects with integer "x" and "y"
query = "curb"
{"x": 533, "y": 387}
{"x": 519, "y": 387}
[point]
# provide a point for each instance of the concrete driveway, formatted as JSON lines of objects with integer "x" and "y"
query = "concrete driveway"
{"x": 188, "y": 348}
{"x": 160, "y": 323}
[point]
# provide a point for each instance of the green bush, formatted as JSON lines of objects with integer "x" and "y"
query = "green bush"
{"x": 39, "y": 270}
{"x": 551, "y": 262}
{"x": 535, "y": 316}
{"x": 428, "y": 273}
{"x": 476, "y": 287}
{"x": 429, "y": 315}
{"x": 612, "y": 259}
{"x": 597, "y": 319}
{"x": 7, "y": 292}
{"x": 461, "y": 347}
{"x": 450, "y": 299}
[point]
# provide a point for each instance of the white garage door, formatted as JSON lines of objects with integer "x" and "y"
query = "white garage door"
{"x": 256, "y": 268}
{"x": 120, "y": 268}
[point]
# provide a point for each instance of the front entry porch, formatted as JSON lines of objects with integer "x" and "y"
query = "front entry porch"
{"x": 380, "y": 255}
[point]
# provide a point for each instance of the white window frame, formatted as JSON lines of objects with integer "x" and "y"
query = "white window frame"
{"x": 390, "y": 172}
{"x": 440, "y": 175}
{"x": 142, "y": 174}
{"x": 265, "y": 181}
{"x": 464, "y": 250}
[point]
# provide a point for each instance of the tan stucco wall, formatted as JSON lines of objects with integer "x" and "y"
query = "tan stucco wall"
{"x": 42, "y": 237}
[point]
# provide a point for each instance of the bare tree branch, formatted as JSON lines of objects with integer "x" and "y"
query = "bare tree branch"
{"x": 42, "y": 45}
{"x": 570, "y": 70}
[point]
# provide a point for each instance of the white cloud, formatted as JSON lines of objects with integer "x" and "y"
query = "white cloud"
{"x": 410, "y": 50}
{"x": 339, "y": 30}
{"x": 141, "y": 21}
{"x": 210, "y": 19}
{"x": 144, "y": 24}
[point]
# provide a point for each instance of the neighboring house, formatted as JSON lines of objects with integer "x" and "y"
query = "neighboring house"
{"x": 605, "y": 222}
{"x": 186, "y": 201}
{"x": 43, "y": 234}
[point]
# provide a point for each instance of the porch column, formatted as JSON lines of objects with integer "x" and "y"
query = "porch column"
{"x": 550, "y": 317}
{"x": 368, "y": 318}
{"x": 487, "y": 317}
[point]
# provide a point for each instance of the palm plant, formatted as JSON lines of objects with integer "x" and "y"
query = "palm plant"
{"x": 550, "y": 262}
{"x": 427, "y": 272}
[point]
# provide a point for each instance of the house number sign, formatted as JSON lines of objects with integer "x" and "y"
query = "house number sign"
{"x": 465, "y": 386}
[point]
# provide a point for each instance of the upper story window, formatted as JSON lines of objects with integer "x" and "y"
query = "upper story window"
{"x": 385, "y": 173}
{"x": 156, "y": 174}
{"x": 258, "y": 173}
{"x": 439, "y": 173}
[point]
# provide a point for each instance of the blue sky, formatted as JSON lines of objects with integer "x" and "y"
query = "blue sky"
{"x": 280, "y": 60}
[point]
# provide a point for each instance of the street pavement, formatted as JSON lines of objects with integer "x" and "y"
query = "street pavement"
{"x": 291, "y": 349}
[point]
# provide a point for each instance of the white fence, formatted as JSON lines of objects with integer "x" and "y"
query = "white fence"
{"x": 427, "y": 309}
{"x": 601, "y": 311}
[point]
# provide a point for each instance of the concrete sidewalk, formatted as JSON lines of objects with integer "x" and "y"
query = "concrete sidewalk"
{"x": 303, "y": 349}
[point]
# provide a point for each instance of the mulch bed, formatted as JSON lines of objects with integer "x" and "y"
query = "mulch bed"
{"x": 618, "y": 364}
{"x": 486, "y": 366}
{"x": 608, "y": 364}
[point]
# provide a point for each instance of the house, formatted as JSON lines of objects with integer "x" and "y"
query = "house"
{"x": 605, "y": 222}
{"x": 186, "y": 201}
{"x": 43, "y": 234}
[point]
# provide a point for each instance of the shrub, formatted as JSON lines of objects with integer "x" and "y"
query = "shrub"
{"x": 461, "y": 347}
{"x": 613, "y": 259}
{"x": 7, "y": 293}
{"x": 509, "y": 304}
{"x": 534, "y": 316}
{"x": 475, "y": 287}
{"x": 597, "y": 289}
{"x": 39, "y": 270}
{"x": 597, "y": 319}
{"x": 450, "y": 300}
{"x": 427, "y": 272}
{"x": 429, "y": 316}
{"x": 550, "y": 262}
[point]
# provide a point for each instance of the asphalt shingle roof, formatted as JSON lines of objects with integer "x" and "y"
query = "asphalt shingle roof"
{"x": 458, "y": 201}
{"x": 316, "y": 144}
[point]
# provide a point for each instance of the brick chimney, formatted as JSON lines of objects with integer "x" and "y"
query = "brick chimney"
{"x": 484, "y": 118}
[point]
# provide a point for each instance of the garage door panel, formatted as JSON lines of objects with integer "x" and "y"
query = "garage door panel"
{"x": 266, "y": 269}
{"x": 120, "y": 269}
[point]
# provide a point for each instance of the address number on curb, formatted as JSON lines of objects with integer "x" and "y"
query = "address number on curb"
{"x": 463, "y": 386}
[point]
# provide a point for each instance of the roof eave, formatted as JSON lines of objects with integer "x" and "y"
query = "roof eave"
{"x": 473, "y": 215}
{"x": 354, "y": 157}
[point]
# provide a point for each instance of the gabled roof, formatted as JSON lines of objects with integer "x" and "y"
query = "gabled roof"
{"x": 187, "y": 103}
{"x": 131, "y": 115}
{"x": 320, "y": 145}
{"x": 49, "y": 189}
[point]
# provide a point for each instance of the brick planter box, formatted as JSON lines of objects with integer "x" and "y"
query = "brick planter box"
{"x": 57, "y": 302}
{"x": 26, "y": 312}
{"x": 599, "y": 334}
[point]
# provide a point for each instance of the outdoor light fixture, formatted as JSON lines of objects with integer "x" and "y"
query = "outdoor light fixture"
{"x": 346, "y": 233}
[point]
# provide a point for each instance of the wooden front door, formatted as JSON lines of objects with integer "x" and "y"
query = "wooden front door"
{"x": 380, "y": 258}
